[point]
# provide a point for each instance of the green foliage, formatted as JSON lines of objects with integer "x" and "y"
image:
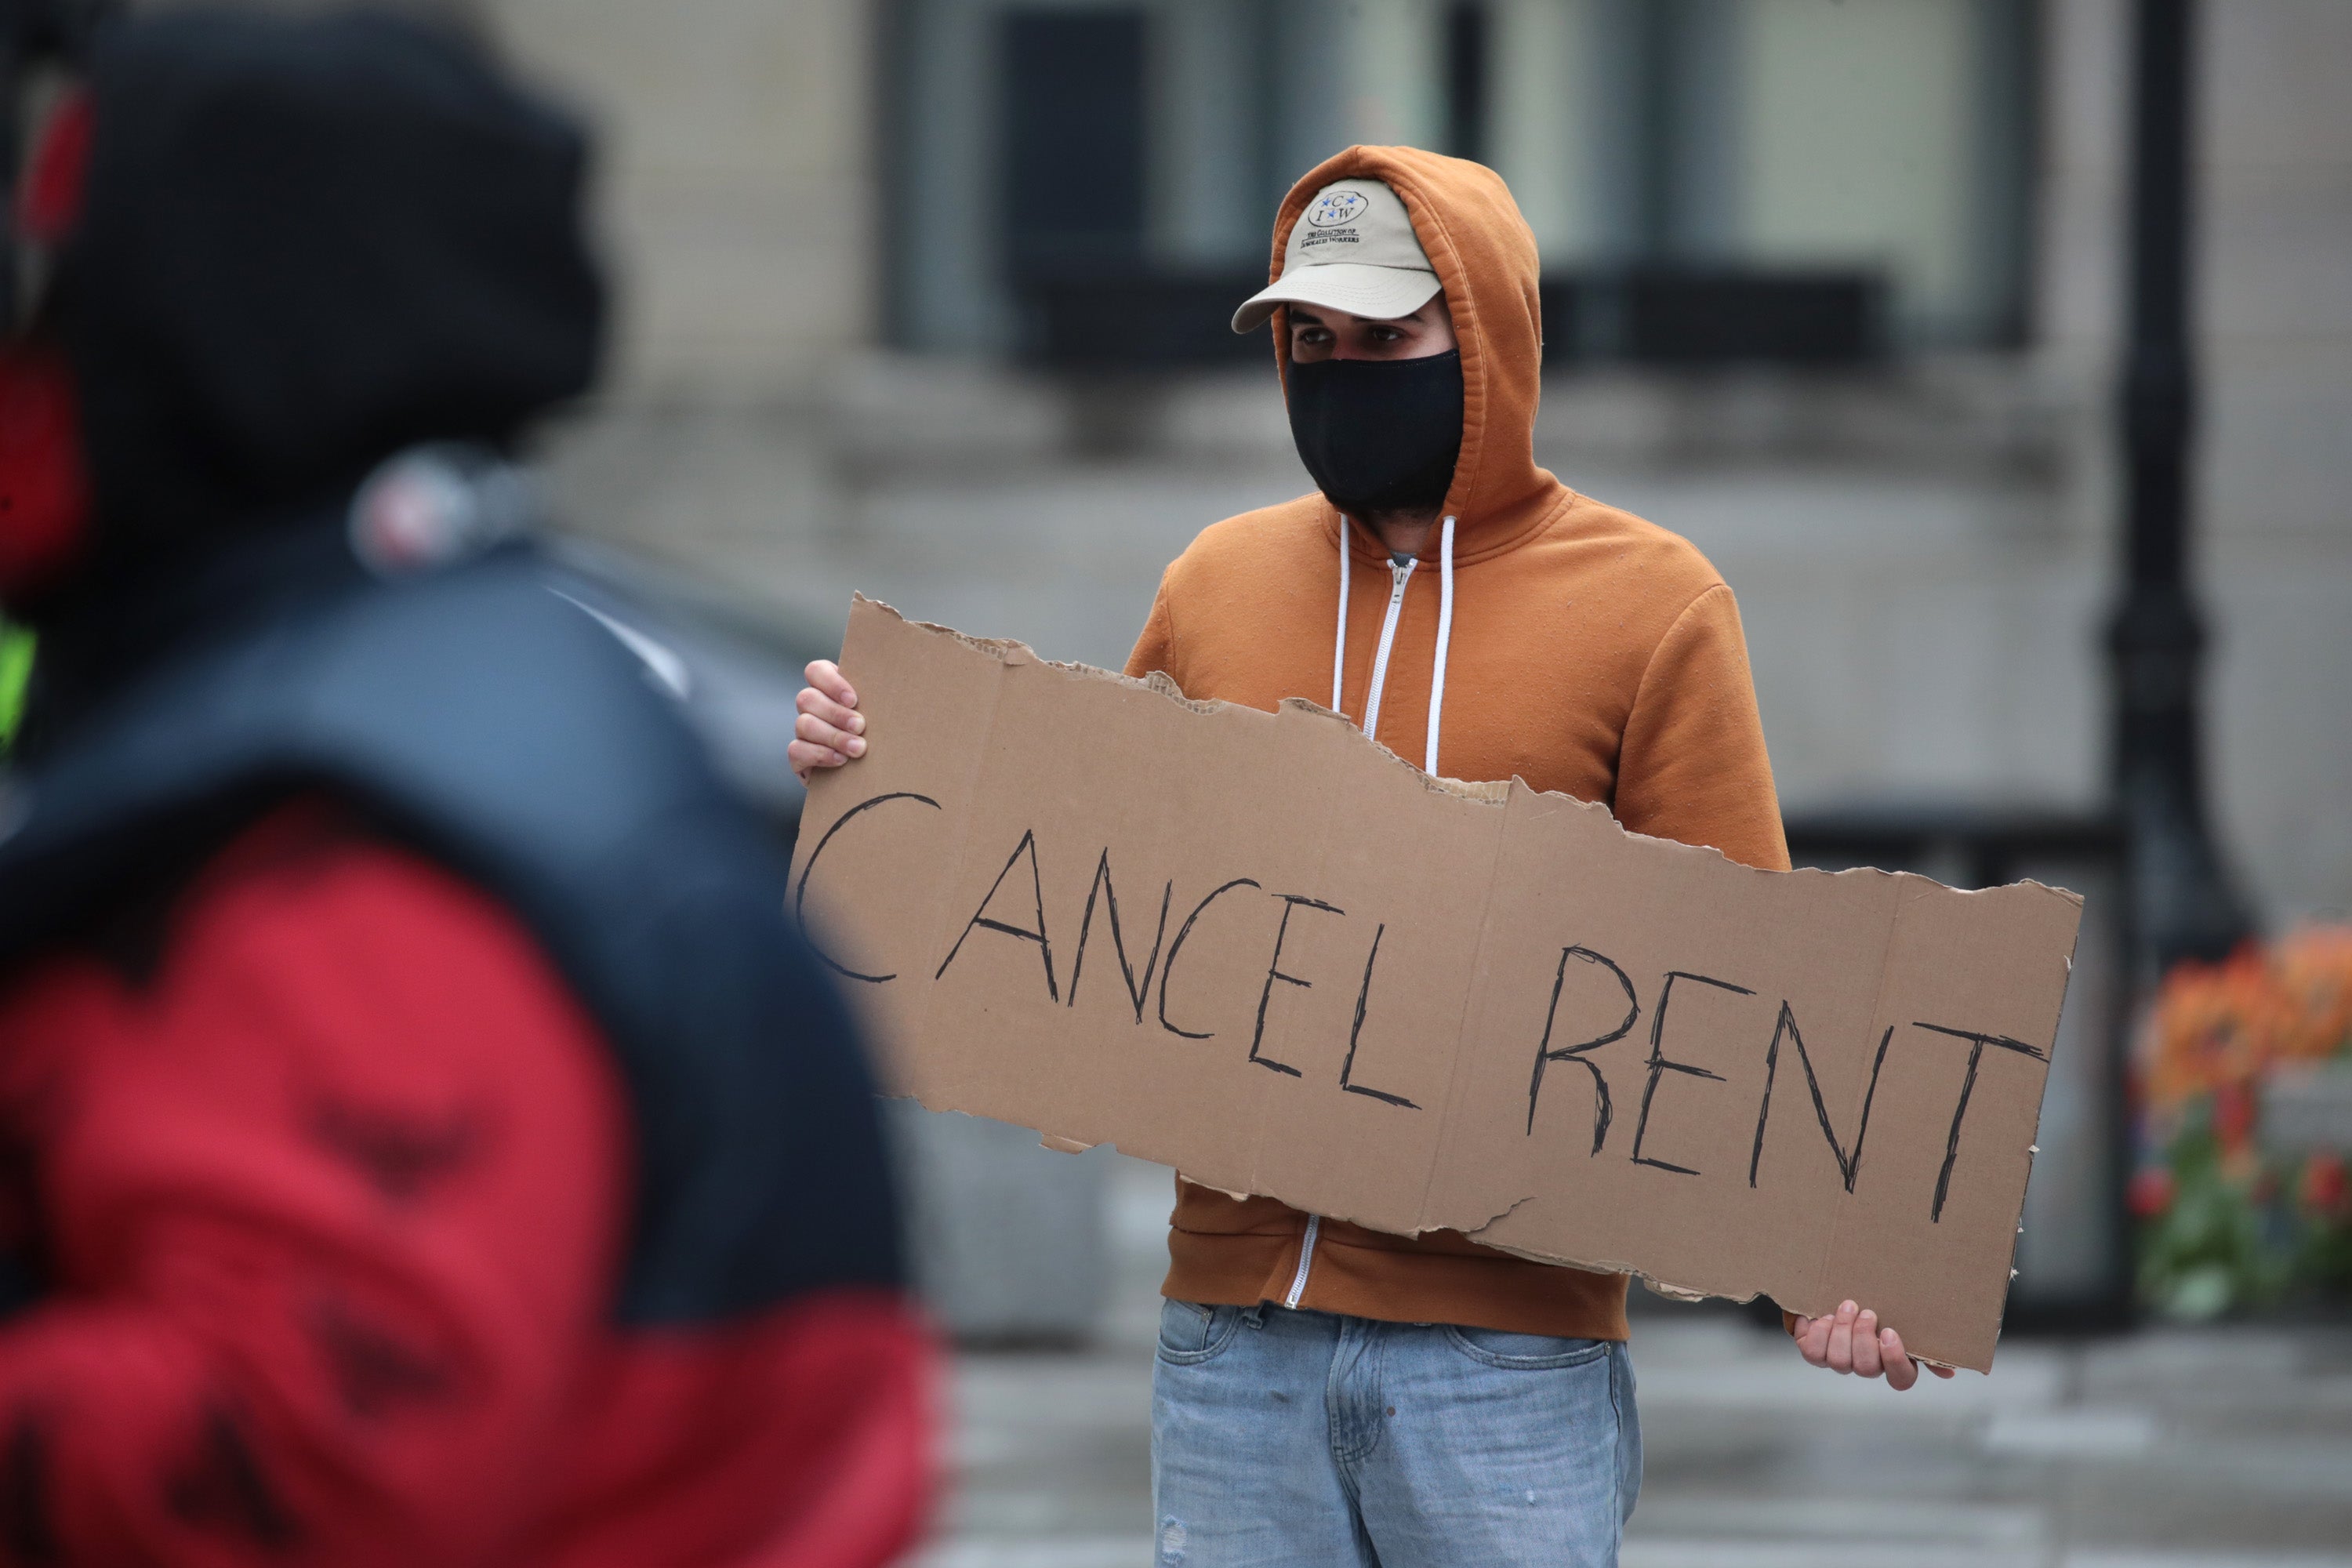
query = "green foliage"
{"x": 2211, "y": 1249}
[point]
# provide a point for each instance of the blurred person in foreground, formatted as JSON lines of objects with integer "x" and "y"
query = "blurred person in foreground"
{"x": 426, "y": 1141}
{"x": 1326, "y": 1393}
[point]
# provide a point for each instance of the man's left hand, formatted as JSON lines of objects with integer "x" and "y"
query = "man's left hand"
{"x": 1853, "y": 1340}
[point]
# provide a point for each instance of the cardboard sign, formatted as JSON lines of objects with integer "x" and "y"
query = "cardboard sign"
{"x": 1261, "y": 949}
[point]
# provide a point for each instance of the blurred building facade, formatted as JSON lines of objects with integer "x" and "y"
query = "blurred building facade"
{"x": 924, "y": 297}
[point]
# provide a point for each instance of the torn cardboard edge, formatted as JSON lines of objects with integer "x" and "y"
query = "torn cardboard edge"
{"x": 1573, "y": 1043}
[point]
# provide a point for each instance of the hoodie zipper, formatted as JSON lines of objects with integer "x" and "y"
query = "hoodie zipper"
{"x": 1305, "y": 1258}
{"x": 1401, "y": 574}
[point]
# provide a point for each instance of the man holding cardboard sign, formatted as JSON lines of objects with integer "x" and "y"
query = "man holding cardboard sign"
{"x": 1328, "y": 1393}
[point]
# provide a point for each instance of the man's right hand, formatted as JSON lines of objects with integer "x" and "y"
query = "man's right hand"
{"x": 830, "y": 731}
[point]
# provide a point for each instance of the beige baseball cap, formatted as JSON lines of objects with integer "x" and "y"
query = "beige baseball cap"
{"x": 1353, "y": 249}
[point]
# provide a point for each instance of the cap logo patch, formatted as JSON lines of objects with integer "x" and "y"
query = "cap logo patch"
{"x": 1336, "y": 208}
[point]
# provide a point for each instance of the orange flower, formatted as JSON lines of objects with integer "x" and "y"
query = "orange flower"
{"x": 2315, "y": 973}
{"x": 2219, "y": 1027}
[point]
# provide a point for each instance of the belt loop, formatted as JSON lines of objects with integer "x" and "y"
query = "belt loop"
{"x": 1255, "y": 1316}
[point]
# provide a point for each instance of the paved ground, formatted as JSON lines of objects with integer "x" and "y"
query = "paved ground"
{"x": 2172, "y": 1449}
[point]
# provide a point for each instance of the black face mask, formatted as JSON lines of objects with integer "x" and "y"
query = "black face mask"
{"x": 1378, "y": 436}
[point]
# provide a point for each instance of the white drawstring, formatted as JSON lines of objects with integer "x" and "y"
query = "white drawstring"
{"x": 1444, "y": 637}
{"x": 1379, "y": 672}
{"x": 1340, "y": 650}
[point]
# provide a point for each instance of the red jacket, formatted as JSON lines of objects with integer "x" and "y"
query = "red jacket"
{"x": 326, "y": 1175}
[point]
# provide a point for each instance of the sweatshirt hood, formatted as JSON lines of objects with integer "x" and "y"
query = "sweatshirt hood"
{"x": 1484, "y": 255}
{"x": 304, "y": 244}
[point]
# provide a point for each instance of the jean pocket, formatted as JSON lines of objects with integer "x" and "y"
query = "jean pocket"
{"x": 1190, "y": 1333}
{"x": 1523, "y": 1353}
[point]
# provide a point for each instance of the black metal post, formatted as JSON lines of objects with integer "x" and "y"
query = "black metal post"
{"x": 2182, "y": 904}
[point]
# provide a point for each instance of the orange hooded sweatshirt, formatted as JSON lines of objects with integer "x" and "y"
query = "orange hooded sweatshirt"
{"x": 1590, "y": 652}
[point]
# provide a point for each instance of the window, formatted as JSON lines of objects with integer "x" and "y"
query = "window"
{"x": 1091, "y": 181}
{"x": 1071, "y": 95}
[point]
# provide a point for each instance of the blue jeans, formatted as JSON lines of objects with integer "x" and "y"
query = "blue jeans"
{"x": 1313, "y": 1441}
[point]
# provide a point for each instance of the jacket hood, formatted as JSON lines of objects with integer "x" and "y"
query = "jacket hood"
{"x": 303, "y": 244}
{"x": 1484, "y": 255}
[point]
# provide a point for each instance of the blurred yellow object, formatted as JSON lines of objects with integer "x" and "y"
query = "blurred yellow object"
{"x": 15, "y": 669}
